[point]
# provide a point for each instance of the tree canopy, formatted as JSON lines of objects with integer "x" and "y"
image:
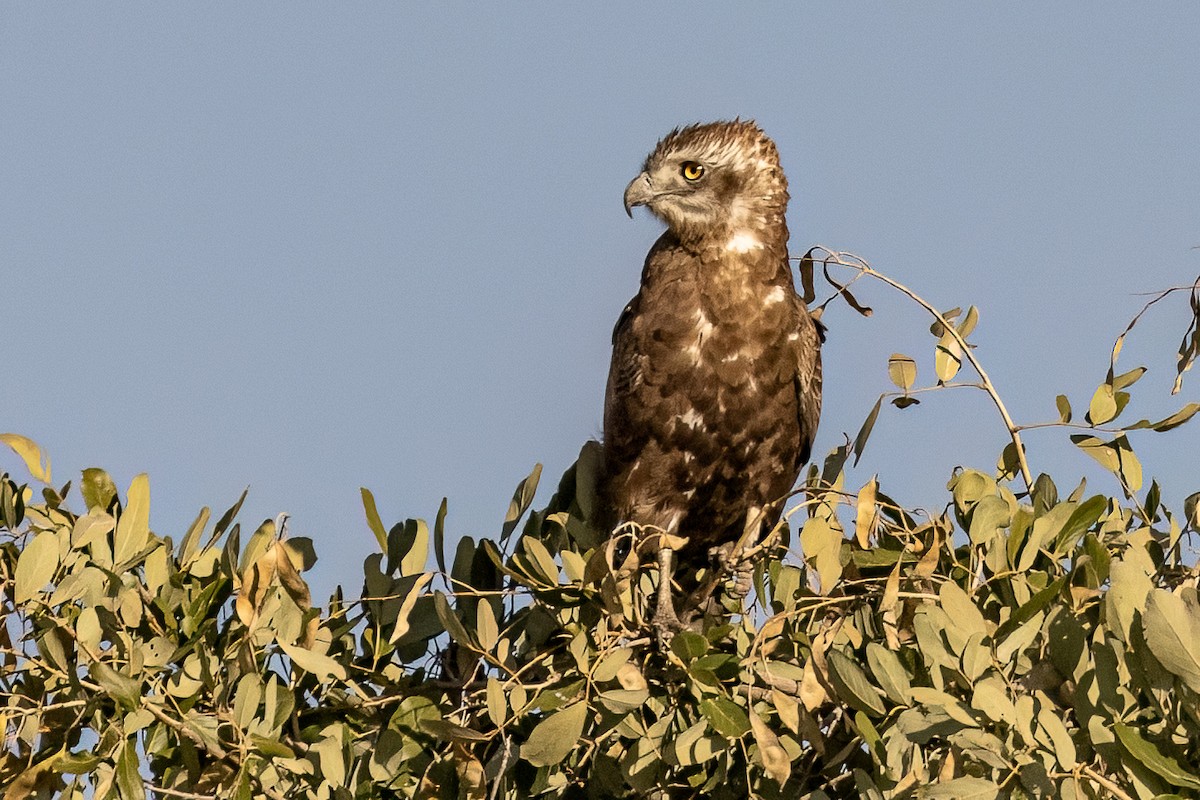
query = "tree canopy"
{"x": 1025, "y": 640}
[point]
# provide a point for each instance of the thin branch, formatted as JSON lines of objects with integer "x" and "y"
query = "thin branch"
{"x": 854, "y": 262}
{"x": 1108, "y": 784}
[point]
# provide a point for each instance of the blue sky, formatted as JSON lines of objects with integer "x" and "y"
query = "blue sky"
{"x": 311, "y": 247}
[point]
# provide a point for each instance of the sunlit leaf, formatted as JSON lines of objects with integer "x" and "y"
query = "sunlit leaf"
{"x": 822, "y": 546}
{"x": 1103, "y": 406}
{"x": 37, "y": 463}
{"x": 771, "y": 755}
{"x": 969, "y": 321}
{"x": 865, "y": 513}
{"x": 696, "y": 745}
{"x": 947, "y": 358}
{"x": 960, "y": 608}
{"x": 1127, "y": 379}
{"x": 319, "y": 664}
{"x": 967, "y": 788}
{"x": 1103, "y": 452}
{"x": 373, "y": 520}
{"x": 902, "y": 370}
{"x": 1172, "y": 628}
{"x": 133, "y": 526}
{"x": 1064, "y": 408}
{"x": 35, "y": 566}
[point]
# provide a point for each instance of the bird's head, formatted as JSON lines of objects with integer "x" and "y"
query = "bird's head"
{"x": 711, "y": 180}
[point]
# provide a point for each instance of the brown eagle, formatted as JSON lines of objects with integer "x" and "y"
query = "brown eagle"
{"x": 714, "y": 391}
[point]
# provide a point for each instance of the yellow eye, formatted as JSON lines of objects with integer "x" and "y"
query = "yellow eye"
{"x": 692, "y": 171}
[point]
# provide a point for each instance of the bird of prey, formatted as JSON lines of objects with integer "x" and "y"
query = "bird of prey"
{"x": 714, "y": 391}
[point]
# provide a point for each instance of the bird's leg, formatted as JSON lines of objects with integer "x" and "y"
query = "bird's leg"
{"x": 665, "y": 620}
{"x": 735, "y": 560}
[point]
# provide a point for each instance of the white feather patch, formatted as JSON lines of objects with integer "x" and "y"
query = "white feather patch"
{"x": 691, "y": 418}
{"x": 774, "y": 296}
{"x": 743, "y": 242}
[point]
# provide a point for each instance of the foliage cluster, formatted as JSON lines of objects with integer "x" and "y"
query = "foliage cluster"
{"x": 1020, "y": 642}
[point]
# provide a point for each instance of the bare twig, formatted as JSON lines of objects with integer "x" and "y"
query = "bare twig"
{"x": 854, "y": 262}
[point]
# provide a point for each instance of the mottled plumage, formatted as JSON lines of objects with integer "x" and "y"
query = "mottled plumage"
{"x": 714, "y": 391}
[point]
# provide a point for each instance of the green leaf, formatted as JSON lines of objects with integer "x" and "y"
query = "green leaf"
{"x": 947, "y": 357}
{"x": 497, "y": 704}
{"x": 1103, "y": 452}
{"x": 689, "y": 646}
{"x": 725, "y": 717}
{"x": 439, "y": 536}
{"x": 373, "y": 520}
{"x": 1130, "y": 583}
{"x": 404, "y": 615}
{"x": 36, "y": 780}
{"x": 1029, "y": 609}
{"x": 541, "y": 560}
{"x": 449, "y": 731}
{"x": 968, "y": 788}
{"x": 413, "y": 561}
{"x": 133, "y": 526}
{"x": 852, "y": 685}
{"x": 1103, "y": 406}
{"x": 97, "y": 488}
{"x": 486, "y": 627}
{"x": 35, "y": 566}
{"x": 1171, "y": 624}
{"x": 1019, "y": 639}
{"x": 822, "y": 547}
{"x": 887, "y": 669}
{"x": 122, "y": 688}
{"x": 1064, "y": 408}
{"x": 696, "y": 745}
{"x": 187, "y": 546}
{"x": 555, "y": 736}
{"x": 860, "y": 441}
{"x": 1168, "y": 423}
{"x": 129, "y": 779}
{"x": 1083, "y": 517}
{"x": 1064, "y": 747}
{"x": 937, "y": 328}
{"x": 1127, "y": 379}
{"x": 271, "y": 747}
{"x": 319, "y": 664}
{"x": 623, "y": 701}
{"x": 990, "y": 696}
{"x": 522, "y": 497}
{"x": 450, "y": 619}
{"x": 988, "y": 516}
{"x": 1130, "y": 468}
{"x": 961, "y": 609}
{"x": 1152, "y": 758}
{"x": 969, "y": 321}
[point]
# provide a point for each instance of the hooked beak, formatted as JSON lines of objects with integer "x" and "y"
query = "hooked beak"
{"x": 638, "y": 193}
